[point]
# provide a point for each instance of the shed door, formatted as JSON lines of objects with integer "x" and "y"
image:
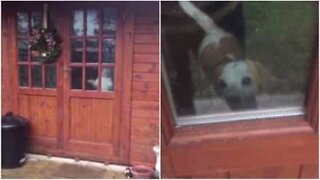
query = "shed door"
{"x": 92, "y": 82}
{"x": 74, "y": 105}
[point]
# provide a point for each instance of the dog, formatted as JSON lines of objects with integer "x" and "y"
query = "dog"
{"x": 234, "y": 78}
{"x": 106, "y": 80}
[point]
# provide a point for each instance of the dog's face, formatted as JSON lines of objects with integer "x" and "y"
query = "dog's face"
{"x": 237, "y": 85}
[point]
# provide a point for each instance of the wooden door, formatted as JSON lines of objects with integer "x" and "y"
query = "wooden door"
{"x": 92, "y": 82}
{"x": 74, "y": 105}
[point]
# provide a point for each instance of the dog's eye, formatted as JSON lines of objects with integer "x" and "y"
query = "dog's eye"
{"x": 222, "y": 84}
{"x": 246, "y": 81}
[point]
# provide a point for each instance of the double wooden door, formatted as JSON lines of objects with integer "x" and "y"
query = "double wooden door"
{"x": 74, "y": 105}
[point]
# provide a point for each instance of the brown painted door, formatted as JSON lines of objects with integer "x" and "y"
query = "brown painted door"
{"x": 92, "y": 82}
{"x": 74, "y": 105}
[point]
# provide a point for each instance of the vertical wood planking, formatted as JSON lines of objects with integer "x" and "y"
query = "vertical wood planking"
{"x": 145, "y": 85}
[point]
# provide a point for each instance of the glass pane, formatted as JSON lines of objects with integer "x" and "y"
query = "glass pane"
{"x": 77, "y": 28}
{"x": 23, "y": 50}
{"x": 23, "y": 24}
{"x": 91, "y": 78}
{"x": 76, "y": 78}
{"x": 107, "y": 77}
{"x": 36, "y": 20}
{"x": 108, "y": 51}
{"x": 51, "y": 76}
{"x": 36, "y": 76}
{"x": 266, "y": 69}
{"x": 23, "y": 76}
{"x": 92, "y": 51}
{"x": 109, "y": 21}
{"x": 92, "y": 22}
{"x": 77, "y": 47}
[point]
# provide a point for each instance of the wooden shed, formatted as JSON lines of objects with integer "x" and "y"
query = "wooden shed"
{"x": 70, "y": 111}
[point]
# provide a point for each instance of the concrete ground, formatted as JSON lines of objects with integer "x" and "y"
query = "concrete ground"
{"x": 44, "y": 169}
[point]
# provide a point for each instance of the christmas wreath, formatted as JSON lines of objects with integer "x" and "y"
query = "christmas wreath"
{"x": 44, "y": 44}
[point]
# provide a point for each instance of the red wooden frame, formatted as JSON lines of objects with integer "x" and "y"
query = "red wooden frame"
{"x": 218, "y": 150}
{"x": 260, "y": 127}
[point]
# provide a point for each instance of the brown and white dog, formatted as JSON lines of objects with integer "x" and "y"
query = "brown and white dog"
{"x": 234, "y": 78}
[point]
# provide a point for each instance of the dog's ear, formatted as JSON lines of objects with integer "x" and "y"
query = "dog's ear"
{"x": 260, "y": 74}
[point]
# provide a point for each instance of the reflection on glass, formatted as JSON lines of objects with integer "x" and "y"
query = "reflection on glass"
{"x": 92, "y": 50}
{"x": 36, "y": 20}
{"x": 23, "y": 23}
{"x": 109, "y": 21}
{"x": 76, "y": 50}
{"x": 108, "y": 51}
{"x": 36, "y": 76}
{"x": 107, "y": 79}
{"x": 76, "y": 78}
{"x": 92, "y": 23}
{"x": 77, "y": 28}
{"x": 91, "y": 78}
{"x": 274, "y": 78}
{"x": 51, "y": 76}
{"x": 23, "y": 76}
{"x": 23, "y": 50}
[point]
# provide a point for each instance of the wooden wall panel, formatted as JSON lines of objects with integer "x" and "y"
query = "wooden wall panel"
{"x": 91, "y": 120}
{"x": 145, "y": 86}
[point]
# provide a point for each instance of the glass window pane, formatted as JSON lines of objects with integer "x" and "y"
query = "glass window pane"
{"x": 108, "y": 51}
{"x": 91, "y": 78}
{"x": 23, "y": 50}
{"x": 109, "y": 21}
{"x": 36, "y": 76}
{"x": 23, "y": 75}
{"x": 107, "y": 79}
{"x": 23, "y": 24}
{"x": 51, "y": 76}
{"x": 92, "y": 51}
{"x": 268, "y": 71}
{"x": 92, "y": 22}
{"x": 36, "y": 20}
{"x": 76, "y": 50}
{"x": 77, "y": 28}
{"x": 76, "y": 78}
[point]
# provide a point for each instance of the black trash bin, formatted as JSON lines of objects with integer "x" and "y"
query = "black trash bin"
{"x": 13, "y": 140}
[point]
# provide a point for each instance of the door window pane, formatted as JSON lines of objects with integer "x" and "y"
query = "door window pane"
{"x": 76, "y": 78}
{"x": 36, "y": 76}
{"x": 76, "y": 50}
{"x": 92, "y": 78}
{"x": 36, "y": 20}
{"x": 92, "y": 54}
{"x": 77, "y": 27}
{"x": 51, "y": 76}
{"x": 109, "y": 21}
{"x": 108, "y": 51}
{"x": 23, "y": 50}
{"x": 92, "y": 23}
{"x": 267, "y": 71}
{"x": 107, "y": 79}
{"x": 23, "y": 24}
{"x": 23, "y": 76}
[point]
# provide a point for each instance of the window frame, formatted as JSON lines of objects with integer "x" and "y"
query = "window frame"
{"x": 224, "y": 131}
